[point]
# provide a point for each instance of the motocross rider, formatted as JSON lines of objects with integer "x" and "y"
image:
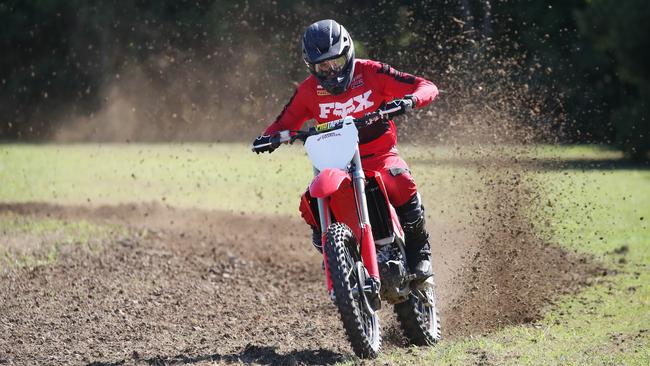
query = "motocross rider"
{"x": 341, "y": 85}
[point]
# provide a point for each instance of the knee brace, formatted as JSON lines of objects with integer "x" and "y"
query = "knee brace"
{"x": 410, "y": 212}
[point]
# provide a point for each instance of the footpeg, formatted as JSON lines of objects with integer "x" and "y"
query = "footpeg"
{"x": 422, "y": 283}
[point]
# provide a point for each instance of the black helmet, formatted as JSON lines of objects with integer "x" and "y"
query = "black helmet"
{"x": 329, "y": 54}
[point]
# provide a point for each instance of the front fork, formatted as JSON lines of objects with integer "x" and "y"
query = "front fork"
{"x": 368, "y": 252}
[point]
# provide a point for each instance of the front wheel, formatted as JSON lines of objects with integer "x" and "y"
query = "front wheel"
{"x": 418, "y": 317}
{"x": 349, "y": 276}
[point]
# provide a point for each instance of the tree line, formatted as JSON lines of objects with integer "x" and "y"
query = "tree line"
{"x": 199, "y": 63}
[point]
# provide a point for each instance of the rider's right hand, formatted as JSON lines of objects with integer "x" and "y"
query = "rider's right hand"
{"x": 263, "y": 143}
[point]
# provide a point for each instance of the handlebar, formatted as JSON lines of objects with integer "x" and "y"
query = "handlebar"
{"x": 302, "y": 135}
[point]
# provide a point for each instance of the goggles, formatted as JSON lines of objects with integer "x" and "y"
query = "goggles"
{"x": 329, "y": 68}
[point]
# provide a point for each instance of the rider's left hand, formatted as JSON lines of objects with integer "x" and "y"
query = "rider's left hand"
{"x": 405, "y": 104}
{"x": 412, "y": 101}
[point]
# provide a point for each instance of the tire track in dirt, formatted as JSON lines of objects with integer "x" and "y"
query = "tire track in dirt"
{"x": 194, "y": 286}
{"x": 176, "y": 288}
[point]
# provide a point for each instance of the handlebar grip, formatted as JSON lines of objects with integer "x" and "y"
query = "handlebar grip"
{"x": 393, "y": 111}
{"x": 284, "y": 136}
{"x": 379, "y": 114}
{"x": 279, "y": 138}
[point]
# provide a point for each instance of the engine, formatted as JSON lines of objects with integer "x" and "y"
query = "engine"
{"x": 393, "y": 273}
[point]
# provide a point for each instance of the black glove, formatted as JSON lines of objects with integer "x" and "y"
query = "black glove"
{"x": 263, "y": 143}
{"x": 405, "y": 105}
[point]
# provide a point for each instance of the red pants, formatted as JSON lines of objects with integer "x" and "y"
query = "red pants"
{"x": 399, "y": 183}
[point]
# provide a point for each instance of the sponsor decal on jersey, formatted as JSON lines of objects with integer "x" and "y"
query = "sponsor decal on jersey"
{"x": 322, "y": 92}
{"x": 356, "y": 82}
{"x": 355, "y": 104}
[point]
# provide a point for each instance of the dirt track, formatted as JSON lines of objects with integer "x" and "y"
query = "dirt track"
{"x": 194, "y": 287}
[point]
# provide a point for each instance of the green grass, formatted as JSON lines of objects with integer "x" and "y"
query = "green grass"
{"x": 575, "y": 152}
{"x": 220, "y": 176}
{"x": 225, "y": 176}
{"x": 597, "y": 212}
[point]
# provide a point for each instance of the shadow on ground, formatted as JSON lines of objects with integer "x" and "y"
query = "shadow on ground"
{"x": 262, "y": 355}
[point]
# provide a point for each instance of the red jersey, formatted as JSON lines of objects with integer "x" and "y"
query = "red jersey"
{"x": 372, "y": 85}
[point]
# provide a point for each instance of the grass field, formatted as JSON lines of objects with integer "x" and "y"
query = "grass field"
{"x": 224, "y": 176}
{"x": 596, "y": 211}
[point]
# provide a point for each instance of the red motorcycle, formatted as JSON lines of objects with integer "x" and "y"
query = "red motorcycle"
{"x": 363, "y": 241}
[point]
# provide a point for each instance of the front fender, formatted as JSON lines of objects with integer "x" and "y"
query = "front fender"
{"x": 327, "y": 182}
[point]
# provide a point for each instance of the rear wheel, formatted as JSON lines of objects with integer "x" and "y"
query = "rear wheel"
{"x": 349, "y": 276}
{"x": 418, "y": 317}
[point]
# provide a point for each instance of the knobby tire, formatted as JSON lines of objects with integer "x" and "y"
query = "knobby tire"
{"x": 340, "y": 245}
{"x": 420, "y": 323}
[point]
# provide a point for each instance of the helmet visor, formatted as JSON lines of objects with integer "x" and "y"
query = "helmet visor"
{"x": 329, "y": 68}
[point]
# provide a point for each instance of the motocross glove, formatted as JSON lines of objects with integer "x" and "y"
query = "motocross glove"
{"x": 264, "y": 143}
{"x": 405, "y": 105}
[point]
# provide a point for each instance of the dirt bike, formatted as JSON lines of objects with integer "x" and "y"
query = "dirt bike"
{"x": 363, "y": 242}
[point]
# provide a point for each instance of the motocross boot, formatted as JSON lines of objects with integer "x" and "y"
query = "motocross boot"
{"x": 418, "y": 249}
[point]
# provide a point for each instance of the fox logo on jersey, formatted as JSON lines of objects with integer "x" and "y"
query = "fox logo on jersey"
{"x": 354, "y": 104}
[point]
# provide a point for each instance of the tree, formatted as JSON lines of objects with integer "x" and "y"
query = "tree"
{"x": 620, "y": 30}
